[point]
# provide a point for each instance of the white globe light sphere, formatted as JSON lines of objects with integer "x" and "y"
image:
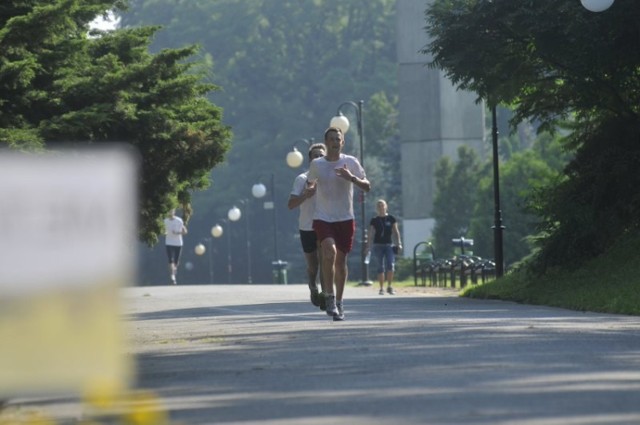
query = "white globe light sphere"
{"x": 200, "y": 249}
{"x": 217, "y": 231}
{"x": 234, "y": 214}
{"x": 341, "y": 122}
{"x": 294, "y": 158}
{"x": 596, "y": 5}
{"x": 258, "y": 190}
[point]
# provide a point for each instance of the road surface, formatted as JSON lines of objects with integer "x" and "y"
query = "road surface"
{"x": 262, "y": 354}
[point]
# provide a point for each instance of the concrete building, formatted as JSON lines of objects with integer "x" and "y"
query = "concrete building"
{"x": 434, "y": 120}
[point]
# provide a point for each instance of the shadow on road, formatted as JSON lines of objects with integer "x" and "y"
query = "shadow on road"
{"x": 411, "y": 360}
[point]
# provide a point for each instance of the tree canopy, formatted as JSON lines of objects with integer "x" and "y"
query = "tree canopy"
{"x": 62, "y": 83}
{"x": 546, "y": 58}
{"x": 551, "y": 60}
{"x": 285, "y": 66}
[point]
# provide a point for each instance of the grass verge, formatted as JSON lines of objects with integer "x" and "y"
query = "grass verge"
{"x": 608, "y": 284}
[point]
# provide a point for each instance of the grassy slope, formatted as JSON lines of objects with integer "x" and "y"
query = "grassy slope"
{"x": 609, "y": 283}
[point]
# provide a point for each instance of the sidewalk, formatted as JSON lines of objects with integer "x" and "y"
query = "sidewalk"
{"x": 262, "y": 354}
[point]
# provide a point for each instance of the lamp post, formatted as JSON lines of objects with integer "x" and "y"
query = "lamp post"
{"x": 233, "y": 214}
{"x": 341, "y": 122}
{"x": 259, "y": 190}
{"x": 497, "y": 219}
{"x": 237, "y": 213}
{"x": 200, "y": 250}
{"x": 295, "y": 158}
{"x": 596, "y": 5}
{"x": 217, "y": 231}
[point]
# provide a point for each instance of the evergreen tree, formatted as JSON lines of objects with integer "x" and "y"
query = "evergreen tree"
{"x": 63, "y": 84}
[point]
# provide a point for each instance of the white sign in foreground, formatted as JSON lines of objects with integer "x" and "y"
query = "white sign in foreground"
{"x": 68, "y": 245}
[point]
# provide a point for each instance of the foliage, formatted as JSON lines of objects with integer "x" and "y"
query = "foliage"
{"x": 601, "y": 284}
{"x": 551, "y": 60}
{"x": 456, "y": 188}
{"x": 598, "y": 201}
{"x": 64, "y": 85}
{"x": 523, "y": 173}
{"x": 542, "y": 56}
{"x": 285, "y": 67}
{"x": 524, "y": 180}
{"x": 382, "y": 156}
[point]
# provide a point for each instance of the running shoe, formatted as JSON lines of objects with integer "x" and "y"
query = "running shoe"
{"x": 391, "y": 291}
{"x": 332, "y": 310}
{"x": 322, "y": 301}
{"x": 314, "y": 295}
{"x": 340, "y": 315}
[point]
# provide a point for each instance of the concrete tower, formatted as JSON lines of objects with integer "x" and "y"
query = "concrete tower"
{"x": 434, "y": 120}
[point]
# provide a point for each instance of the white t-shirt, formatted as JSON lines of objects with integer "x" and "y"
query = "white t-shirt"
{"x": 173, "y": 231}
{"x": 334, "y": 195}
{"x": 305, "y": 219}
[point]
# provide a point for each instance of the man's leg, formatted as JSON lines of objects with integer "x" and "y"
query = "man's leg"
{"x": 320, "y": 267}
{"x": 172, "y": 272}
{"x": 176, "y": 262}
{"x": 172, "y": 263}
{"x": 321, "y": 297}
{"x": 328, "y": 272}
{"x": 328, "y": 263}
{"x": 311, "y": 259}
{"x": 341, "y": 272}
{"x": 312, "y": 267}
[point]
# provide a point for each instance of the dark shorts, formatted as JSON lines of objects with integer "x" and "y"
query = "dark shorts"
{"x": 341, "y": 231}
{"x": 173, "y": 253}
{"x": 309, "y": 241}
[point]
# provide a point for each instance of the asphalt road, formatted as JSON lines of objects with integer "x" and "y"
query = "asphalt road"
{"x": 262, "y": 354}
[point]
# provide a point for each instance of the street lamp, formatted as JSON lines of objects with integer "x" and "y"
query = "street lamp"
{"x": 596, "y": 5}
{"x": 233, "y": 214}
{"x": 259, "y": 190}
{"x": 341, "y": 122}
{"x": 295, "y": 158}
{"x": 497, "y": 223}
{"x": 217, "y": 231}
{"x": 237, "y": 213}
{"x": 200, "y": 250}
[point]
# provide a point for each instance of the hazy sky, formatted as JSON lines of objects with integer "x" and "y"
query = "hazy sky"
{"x": 105, "y": 24}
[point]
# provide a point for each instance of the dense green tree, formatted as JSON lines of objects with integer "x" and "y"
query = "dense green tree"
{"x": 61, "y": 84}
{"x": 598, "y": 200}
{"x": 524, "y": 176}
{"x": 552, "y": 60}
{"x": 456, "y": 188}
{"x": 520, "y": 176}
{"x": 285, "y": 67}
{"x": 382, "y": 157}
